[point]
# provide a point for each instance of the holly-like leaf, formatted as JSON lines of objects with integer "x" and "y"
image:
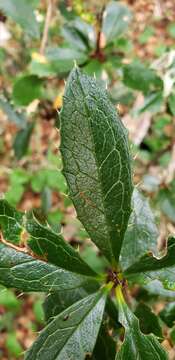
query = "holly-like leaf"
{"x": 142, "y": 233}
{"x": 149, "y": 322}
{"x": 11, "y": 222}
{"x": 136, "y": 345}
{"x": 73, "y": 333}
{"x": 149, "y": 267}
{"x": 41, "y": 240}
{"x": 22, "y": 13}
{"x": 96, "y": 162}
{"x": 24, "y": 272}
{"x": 45, "y": 242}
{"x": 115, "y": 21}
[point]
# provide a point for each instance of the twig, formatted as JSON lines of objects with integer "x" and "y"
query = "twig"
{"x": 46, "y": 27}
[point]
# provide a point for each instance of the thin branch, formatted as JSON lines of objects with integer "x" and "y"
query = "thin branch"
{"x": 46, "y": 26}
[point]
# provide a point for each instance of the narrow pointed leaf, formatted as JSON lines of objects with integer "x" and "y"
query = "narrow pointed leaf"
{"x": 42, "y": 240}
{"x": 142, "y": 233}
{"x": 45, "y": 242}
{"x": 26, "y": 273}
{"x": 136, "y": 345}
{"x": 73, "y": 333}
{"x": 149, "y": 322}
{"x": 96, "y": 161}
{"x": 105, "y": 348}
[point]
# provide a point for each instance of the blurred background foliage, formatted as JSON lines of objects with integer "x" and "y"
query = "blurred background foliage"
{"x": 129, "y": 46}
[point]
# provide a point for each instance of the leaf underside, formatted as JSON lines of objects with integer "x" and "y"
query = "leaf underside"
{"x": 96, "y": 162}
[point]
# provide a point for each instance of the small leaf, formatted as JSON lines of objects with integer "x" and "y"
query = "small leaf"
{"x": 18, "y": 118}
{"x": 115, "y": 21}
{"x": 11, "y": 222}
{"x": 26, "y": 89}
{"x": 168, "y": 314}
{"x": 152, "y": 102}
{"x": 142, "y": 233}
{"x": 26, "y": 273}
{"x": 79, "y": 34}
{"x": 137, "y": 76}
{"x": 136, "y": 345}
{"x": 73, "y": 333}
{"x": 96, "y": 162}
{"x": 171, "y": 103}
{"x": 162, "y": 269}
{"x": 22, "y": 139}
{"x": 45, "y": 242}
{"x": 22, "y": 13}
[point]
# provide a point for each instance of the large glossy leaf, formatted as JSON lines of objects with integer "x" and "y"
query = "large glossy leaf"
{"x": 22, "y": 13}
{"x": 136, "y": 345}
{"x": 26, "y": 273}
{"x": 116, "y": 19}
{"x": 149, "y": 267}
{"x": 42, "y": 240}
{"x": 96, "y": 162}
{"x": 142, "y": 233}
{"x": 72, "y": 334}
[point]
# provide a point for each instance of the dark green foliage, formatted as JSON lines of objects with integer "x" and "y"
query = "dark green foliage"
{"x": 83, "y": 317}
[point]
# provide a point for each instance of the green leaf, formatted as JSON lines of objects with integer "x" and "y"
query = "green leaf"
{"x": 61, "y": 300}
{"x": 13, "y": 345}
{"x": 142, "y": 233}
{"x": 26, "y": 89}
{"x": 79, "y": 34}
{"x": 136, "y": 345}
{"x": 11, "y": 222}
{"x": 149, "y": 322}
{"x": 18, "y": 118}
{"x": 59, "y": 61}
{"x": 105, "y": 348}
{"x": 137, "y": 76}
{"x": 162, "y": 269}
{"x": 171, "y": 30}
{"x": 171, "y": 103}
{"x": 45, "y": 242}
{"x": 42, "y": 240}
{"x": 168, "y": 314}
{"x": 152, "y": 102}
{"x": 155, "y": 288}
{"x": 24, "y": 272}
{"x": 115, "y": 21}
{"x": 22, "y": 139}
{"x": 22, "y": 13}
{"x": 96, "y": 162}
{"x": 166, "y": 201}
{"x": 73, "y": 333}
{"x": 9, "y": 300}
